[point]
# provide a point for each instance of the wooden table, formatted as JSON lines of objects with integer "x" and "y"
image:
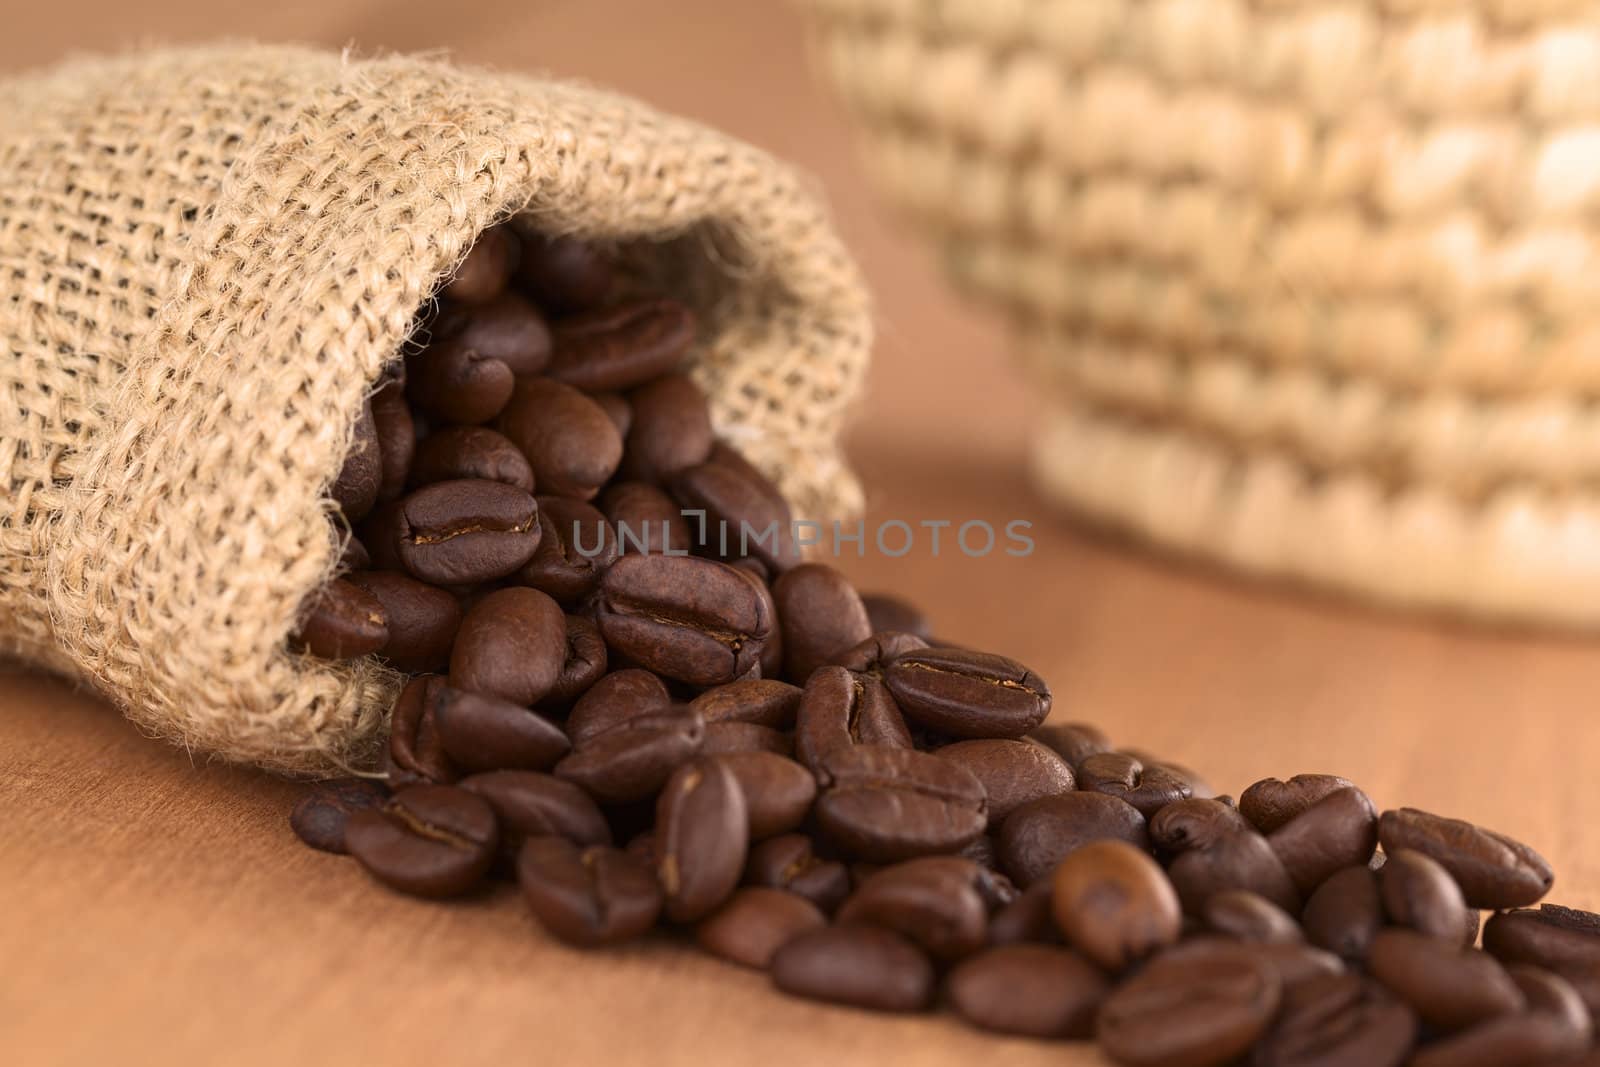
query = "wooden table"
{"x": 157, "y": 909}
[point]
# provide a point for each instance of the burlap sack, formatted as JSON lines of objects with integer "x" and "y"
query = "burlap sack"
{"x": 206, "y": 256}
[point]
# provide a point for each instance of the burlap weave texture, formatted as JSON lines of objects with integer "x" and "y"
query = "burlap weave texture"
{"x": 206, "y": 258}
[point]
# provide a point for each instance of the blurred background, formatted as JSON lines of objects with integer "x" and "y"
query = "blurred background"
{"x": 1234, "y": 677}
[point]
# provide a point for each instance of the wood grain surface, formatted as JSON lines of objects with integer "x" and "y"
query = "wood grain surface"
{"x": 156, "y": 909}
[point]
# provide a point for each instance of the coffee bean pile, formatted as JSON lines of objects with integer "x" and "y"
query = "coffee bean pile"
{"x": 646, "y": 718}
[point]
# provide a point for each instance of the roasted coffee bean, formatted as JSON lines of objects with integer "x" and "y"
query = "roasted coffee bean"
{"x": 967, "y": 694}
{"x": 777, "y": 791}
{"x": 397, "y": 438}
{"x": 586, "y": 662}
{"x": 353, "y": 555}
{"x": 467, "y": 531}
{"x": 1492, "y": 870}
{"x": 873, "y": 654}
{"x": 1072, "y": 741}
{"x": 319, "y": 818}
{"x": 1563, "y": 940}
{"x": 702, "y": 838}
{"x": 934, "y": 901}
{"x": 1013, "y": 773}
{"x": 1345, "y": 913}
{"x": 380, "y": 535}
{"x": 422, "y": 618}
{"x": 646, "y": 519}
{"x": 1120, "y": 775}
{"x": 855, "y": 964}
{"x": 642, "y": 847}
{"x": 839, "y": 709}
{"x": 820, "y": 616}
{"x": 622, "y": 347}
{"x": 416, "y": 753}
{"x": 889, "y": 613}
{"x": 1194, "y": 823}
{"x": 512, "y": 644}
{"x": 888, "y": 804}
{"x": 1293, "y": 963}
{"x": 355, "y": 488}
{"x": 1419, "y": 893}
{"x": 475, "y": 452}
{"x": 760, "y": 701}
{"x": 1340, "y": 830}
{"x": 727, "y": 738}
{"x": 1196, "y": 1010}
{"x": 695, "y": 620}
{"x": 771, "y": 658}
{"x": 745, "y": 514}
{"x": 633, "y": 760}
{"x": 1547, "y": 993}
{"x": 1029, "y": 917}
{"x": 614, "y": 700}
{"x": 483, "y": 274}
{"x": 426, "y": 840}
{"x": 1247, "y": 916}
{"x": 1041, "y": 833}
{"x": 571, "y": 443}
{"x": 1449, "y": 987}
{"x": 1555, "y": 1029}
{"x": 1114, "y": 904}
{"x": 576, "y": 546}
{"x": 1242, "y": 860}
{"x": 457, "y": 384}
{"x": 617, "y": 409}
{"x": 593, "y": 895}
{"x": 1270, "y": 803}
{"x": 754, "y": 923}
{"x": 564, "y": 274}
{"x": 506, "y": 328}
{"x": 1031, "y": 990}
{"x": 670, "y": 430}
{"x": 343, "y": 621}
{"x": 482, "y": 733}
{"x": 531, "y": 804}
{"x": 983, "y": 851}
{"x": 788, "y": 862}
{"x": 1198, "y": 786}
{"x": 1338, "y": 1020}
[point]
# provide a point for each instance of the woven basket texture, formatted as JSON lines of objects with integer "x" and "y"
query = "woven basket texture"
{"x": 209, "y": 255}
{"x": 1312, "y": 288}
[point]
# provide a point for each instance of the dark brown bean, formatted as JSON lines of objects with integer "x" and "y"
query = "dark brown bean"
{"x": 694, "y": 620}
{"x": 778, "y": 792}
{"x": 967, "y": 694}
{"x": 862, "y": 966}
{"x": 506, "y": 328}
{"x": 646, "y": 519}
{"x": 873, "y": 654}
{"x": 1241, "y": 860}
{"x": 839, "y": 709}
{"x": 482, "y": 733}
{"x": 466, "y": 531}
{"x": 1114, "y": 904}
{"x": 423, "y": 619}
{"x": 702, "y": 838}
{"x": 933, "y": 900}
{"x": 1338, "y": 1020}
{"x": 1195, "y": 823}
{"x": 565, "y": 274}
{"x": 570, "y": 442}
{"x": 1270, "y": 803}
{"x": 1194, "y": 1010}
{"x": 1293, "y": 963}
{"x": 426, "y": 840}
{"x": 531, "y": 804}
{"x": 633, "y": 760}
{"x": 1120, "y": 775}
{"x": 888, "y": 804}
{"x": 1040, "y": 834}
{"x": 1418, "y": 892}
{"x": 587, "y": 896}
{"x": 586, "y": 662}
{"x": 471, "y": 452}
{"x": 788, "y": 862}
{"x": 1345, "y": 913}
{"x": 754, "y": 923}
{"x": 512, "y": 644}
{"x": 416, "y": 754}
{"x": 576, "y": 547}
{"x": 1563, "y": 940}
{"x": 1031, "y": 990}
{"x": 457, "y": 384}
{"x": 1340, "y": 830}
{"x": 614, "y": 700}
{"x": 735, "y": 737}
{"x": 820, "y": 616}
{"x": 355, "y": 487}
{"x": 1030, "y": 917}
{"x": 1492, "y": 870}
{"x": 320, "y": 816}
{"x": 616, "y": 407}
{"x": 622, "y": 347}
{"x": 761, "y": 701}
{"x": 670, "y": 430}
{"x": 742, "y": 502}
{"x": 1072, "y": 741}
{"x": 1449, "y": 987}
{"x": 1247, "y": 916}
{"x": 891, "y": 613}
{"x": 397, "y": 438}
{"x": 1013, "y": 773}
{"x": 483, "y": 273}
{"x": 342, "y": 621}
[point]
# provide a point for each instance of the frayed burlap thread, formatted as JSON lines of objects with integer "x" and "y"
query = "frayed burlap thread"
{"x": 1315, "y": 287}
{"x": 208, "y": 256}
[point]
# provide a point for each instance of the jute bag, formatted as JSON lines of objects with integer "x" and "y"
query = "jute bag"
{"x": 1310, "y": 289}
{"x": 207, "y": 258}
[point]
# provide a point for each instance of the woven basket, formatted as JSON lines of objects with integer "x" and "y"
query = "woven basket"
{"x": 1313, "y": 287}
